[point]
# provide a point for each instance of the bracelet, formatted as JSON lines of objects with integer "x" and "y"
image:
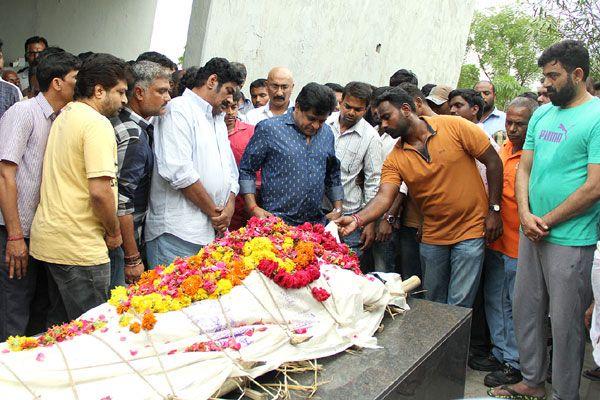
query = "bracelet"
{"x": 131, "y": 265}
{"x": 358, "y": 220}
{"x": 14, "y": 238}
{"x": 133, "y": 257}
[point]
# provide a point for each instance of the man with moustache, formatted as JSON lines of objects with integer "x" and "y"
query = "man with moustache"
{"x": 280, "y": 84}
{"x": 296, "y": 155}
{"x": 195, "y": 179}
{"x": 258, "y": 93}
{"x": 542, "y": 93}
{"x": 557, "y": 190}
{"x": 24, "y": 131}
{"x": 76, "y": 221}
{"x": 492, "y": 120}
{"x": 147, "y": 96}
{"x": 358, "y": 148}
{"x": 34, "y": 46}
{"x": 435, "y": 156}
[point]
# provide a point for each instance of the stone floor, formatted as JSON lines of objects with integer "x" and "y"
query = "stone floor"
{"x": 588, "y": 391}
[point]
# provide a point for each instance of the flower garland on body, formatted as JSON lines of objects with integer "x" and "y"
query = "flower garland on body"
{"x": 288, "y": 255}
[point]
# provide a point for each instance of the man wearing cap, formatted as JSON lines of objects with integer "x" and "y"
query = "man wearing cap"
{"x": 438, "y": 99}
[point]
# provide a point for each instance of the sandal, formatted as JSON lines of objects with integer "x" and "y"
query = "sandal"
{"x": 513, "y": 394}
{"x": 592, "y": 374}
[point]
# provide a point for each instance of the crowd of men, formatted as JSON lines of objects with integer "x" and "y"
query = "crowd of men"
{"x": 108, "y": 168}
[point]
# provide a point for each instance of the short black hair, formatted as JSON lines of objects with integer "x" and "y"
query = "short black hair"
{"x": 237, "y": 96}
{"x": 529, "y": 95}
{"x": 426, "y": 89}
{"x": 260, "y": 82}
{"x": 187, "y": 80}
{"x": 397, "y": 97}
{"x": 316, "y": 97}
{"x": 100, "y": 69}
{"x": 412, "y": 90}
{"x": 158, "y": 58}
{"x": 472, "y": 97}
{"x": 570, "y": 54}
{"x": 222, "y": 68}
{"x": 336, "y": 87}
{"x": 55, "y": 65}
{"x": 403, "y": 75}
{"x": 84, "y": 56}
{"x": 35, "y": 39}
{"x": 1, "y": 44}
{"x": 360, "y": 90}
{"x": 597, "y": 86}
{"x": 240, "y": 67}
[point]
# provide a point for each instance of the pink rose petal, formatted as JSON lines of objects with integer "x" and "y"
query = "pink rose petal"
{"x": 122, "y": 338}
{"x": 104, "y": 330}
{"x": 40, "y": 357}
{"x": 5, "y": 350}
{"x": 172, "y": 352}
{"x": 133, "y": 352}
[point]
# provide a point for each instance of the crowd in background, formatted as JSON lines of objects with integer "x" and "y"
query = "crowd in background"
{"x": 109, "y": 168}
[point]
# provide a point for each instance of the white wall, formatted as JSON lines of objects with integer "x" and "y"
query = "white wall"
{"x": 334, "y": 41}
{"x": 119, "y": 27}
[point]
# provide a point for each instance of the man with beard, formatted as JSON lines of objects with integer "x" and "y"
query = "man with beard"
{"x": 557, "y": 190}
{"x": 280, "y": 84}
{"x": 76, "y": 221}
{"x": 147, "y": 95}
{"x": 492, "y": 120}
{"x": 358, "y": 148}
{"x": 542, "y": 93}
{"x": 296, "y": 155}
{"x": 435, "y": 156}
{"x": 195, "y": 179}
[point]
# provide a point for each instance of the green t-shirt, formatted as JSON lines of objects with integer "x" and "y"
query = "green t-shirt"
{"x": 564, "y": 142}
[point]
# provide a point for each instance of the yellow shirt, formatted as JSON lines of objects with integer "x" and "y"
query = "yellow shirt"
{"x": 65, "y": 230}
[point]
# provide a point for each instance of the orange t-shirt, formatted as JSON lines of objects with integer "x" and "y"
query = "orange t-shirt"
{"x": 446, "y": 185}
{"x": 508, "y": 243}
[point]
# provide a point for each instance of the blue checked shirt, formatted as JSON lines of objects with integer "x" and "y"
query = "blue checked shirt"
{"x": 295, "y": 174}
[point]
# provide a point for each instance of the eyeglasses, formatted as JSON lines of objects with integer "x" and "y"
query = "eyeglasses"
{"x": 275, "y": 87}
{"x": 29, "y": 53}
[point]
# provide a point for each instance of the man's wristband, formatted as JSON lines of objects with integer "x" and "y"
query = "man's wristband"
{"x": 15, "y": 238}
{"x": 132, "y": 258}
{"x": 358, "y": 220}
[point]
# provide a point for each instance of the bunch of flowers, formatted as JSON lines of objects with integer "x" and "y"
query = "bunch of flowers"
{"x": 56, "y": 334}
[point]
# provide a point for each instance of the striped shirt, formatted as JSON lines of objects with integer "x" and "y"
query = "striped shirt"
{"x": 359, "y": 150}
{"x": 24, "y": 130}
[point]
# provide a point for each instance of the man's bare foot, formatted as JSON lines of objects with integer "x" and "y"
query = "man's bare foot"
{"x": 520, "y": 388}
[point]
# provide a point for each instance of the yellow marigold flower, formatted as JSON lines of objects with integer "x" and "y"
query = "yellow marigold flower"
{"x": 117, "y": 295}
{"x": 223, "y": 286}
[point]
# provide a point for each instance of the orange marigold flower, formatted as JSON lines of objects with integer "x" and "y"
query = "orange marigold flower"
{"x": 135, "y": 327}
{"x": 121, "y": 309}
{"x": 191, "y": 285}
{"x": 148, "y": 321}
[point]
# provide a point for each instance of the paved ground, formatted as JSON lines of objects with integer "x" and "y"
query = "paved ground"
{"x": 588, "y": 391}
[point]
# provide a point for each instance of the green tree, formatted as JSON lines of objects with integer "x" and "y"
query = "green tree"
{"x": 469, "y": 76}
{"x": 507, "y": 44}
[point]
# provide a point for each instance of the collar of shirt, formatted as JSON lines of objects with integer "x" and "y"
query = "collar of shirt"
{"x": 266, "y": 109}
{"x": 432, "y": 132}
{"x": 334, "y": 122}
{"x": 495, "y": 113}
{"x": 200, "y": 103}
{"x": 507, "y": 148}
{"x": 239, "y": 126}
{"x": 46, "y": 107}
{"x": 134, "y": 117}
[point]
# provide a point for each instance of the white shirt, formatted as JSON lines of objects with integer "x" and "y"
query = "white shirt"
{"x": 256, "y": 115}
{"x": 595, "y": 328}
{"x": 358, "y": 149}
{"x": 189, "y": 145}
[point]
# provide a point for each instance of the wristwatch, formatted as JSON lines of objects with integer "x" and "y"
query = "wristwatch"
{"x": 390, "y": 219}
{"x": 494, "y": 207}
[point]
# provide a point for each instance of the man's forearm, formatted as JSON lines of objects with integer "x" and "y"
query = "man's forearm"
{"x": 128, "y": 234}
{"x": 378, "y": 205}
{"x": 250, "y": 201}
{"x": 522, "y": 190}
{"x": 494, "y": 178}
{"x": 8, "y": 204}
{"x": 200, "y": 197}
{"x": 104, "y": 208}
{"x": 394, "y": 210}
{"x": 579, "y": 201}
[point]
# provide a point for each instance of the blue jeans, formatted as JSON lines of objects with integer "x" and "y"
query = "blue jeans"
{"x": 451, "y": 273}
{"x": 353, "y": 241}
{"x": 165, "y": 248}
{"x": 384, "y": 253}
{"x": 499, "y": 285}
{"x": 117, "y": 268}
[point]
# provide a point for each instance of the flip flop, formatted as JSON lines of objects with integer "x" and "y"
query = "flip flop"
{"x": 513, "y": 394}
{"x": 592, "y": 374}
